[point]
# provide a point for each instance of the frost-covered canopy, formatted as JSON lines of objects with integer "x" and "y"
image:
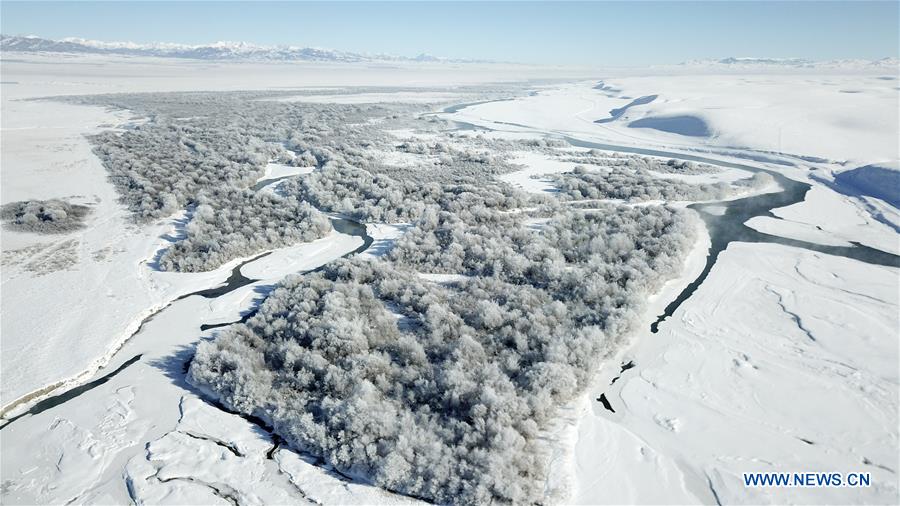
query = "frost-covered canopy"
{"x": 441, "y": 391}
{"x": 205, "y": 150}
{"x": 639, "y": 184}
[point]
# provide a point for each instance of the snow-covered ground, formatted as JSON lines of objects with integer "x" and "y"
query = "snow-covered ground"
{"x": 77, "y": 307}
{"x": 147, "y": 437}
{"x": 48, "y": 335}
{"x": 535, "y": 165}
{"x": 801, "y": 114}
{"x": 30, "y": 74}
{"x": 613, "y": 465}
{"x": 827, "y": 217}
{"x": 280, "y": 170}
{"x": 783, "y": 359}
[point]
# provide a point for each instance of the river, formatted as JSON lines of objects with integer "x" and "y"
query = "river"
{"x": 730, "y": 226}
{"x": 235, "y": 280}
{"x": 723, "y": 229}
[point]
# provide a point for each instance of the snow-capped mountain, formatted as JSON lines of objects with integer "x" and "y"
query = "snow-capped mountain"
{"x": 751, "y": 62}
{"x": 215, "y": 51}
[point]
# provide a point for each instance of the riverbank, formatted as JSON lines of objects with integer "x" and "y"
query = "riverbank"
{"x": 610, "y": 464}
{"x": 764, "y": 369}
{"x": 141, "y": 395}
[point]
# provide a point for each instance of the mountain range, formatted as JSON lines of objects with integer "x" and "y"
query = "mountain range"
{"x": 213, "y": 51}
{"x": 747, "y": 62}
{"x": 245, "y": 51}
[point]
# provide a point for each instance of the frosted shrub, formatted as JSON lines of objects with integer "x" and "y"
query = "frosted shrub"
{"x": 44, "y": 216}
{"x": 636, "y": 162}
{"x": 342, "y": 188}
{"x": 449, "y": 406}
{"x": 240, "y": 223}
{"x": 438, "y": 391}
{"x": 205, "y": 150}
{"x": 633, "y": 185}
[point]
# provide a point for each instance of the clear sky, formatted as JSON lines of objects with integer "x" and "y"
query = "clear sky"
{"x": 551, "y": 32}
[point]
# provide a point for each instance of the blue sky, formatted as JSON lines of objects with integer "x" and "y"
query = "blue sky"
{"x": 589, "y": 33}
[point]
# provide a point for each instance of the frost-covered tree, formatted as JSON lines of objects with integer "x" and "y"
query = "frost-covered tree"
{"x": 231, "y": 223}
{"x": 448, "y": 406}
{"x": 342, "y": 188}
{"x": 640, "y": 184}
{"x": 636, "y": 162}
{"x": 44, "y": 216}
{"x": 436, "y": 390}
{"x": 206, "y": 149}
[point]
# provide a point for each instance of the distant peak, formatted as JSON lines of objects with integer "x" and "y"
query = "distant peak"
{"x": 752, "y": 62}
{"x": 221, "y": 50}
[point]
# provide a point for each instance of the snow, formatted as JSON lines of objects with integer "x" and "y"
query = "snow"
{"x": 72, "y": 325}
{"x": 779, "y": 346}
{"x": 301, "y": 257}
{"x": 323, "y": 488}
{"x": 189, "y": 463}
{"x": 221, "y": 50}
{"x": 48, "y": 338}
{"x": 799, "y": 112}
{"x": 442, "y": 278}
{"x": 384, "y": 236}
{"x": 569, "y": 107}
{"x": 404, "y": 159}
{"x": 872, "y": 181}
{"x": 139, "y": 417}
{"x": 723, "y": 389}
{"x": 827, "y": 217}
{"x": 795, "y": 230}
{"x": 280, "y": 170}
{"x": 733, "y": 382}
{"x": 535, "y": 164}
{"x": 40, "y": 75}
{"x": 628, "y": 469}
{"x": 779, "y": 114}
{"x": 744, "y": 64}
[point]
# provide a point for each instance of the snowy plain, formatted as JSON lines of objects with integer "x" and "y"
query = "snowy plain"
{"x": 783, "y": 360}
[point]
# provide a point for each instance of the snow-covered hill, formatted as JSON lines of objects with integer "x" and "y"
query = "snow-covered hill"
{"x": 224, "y": 50}
{"x": 798, "y": 63}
